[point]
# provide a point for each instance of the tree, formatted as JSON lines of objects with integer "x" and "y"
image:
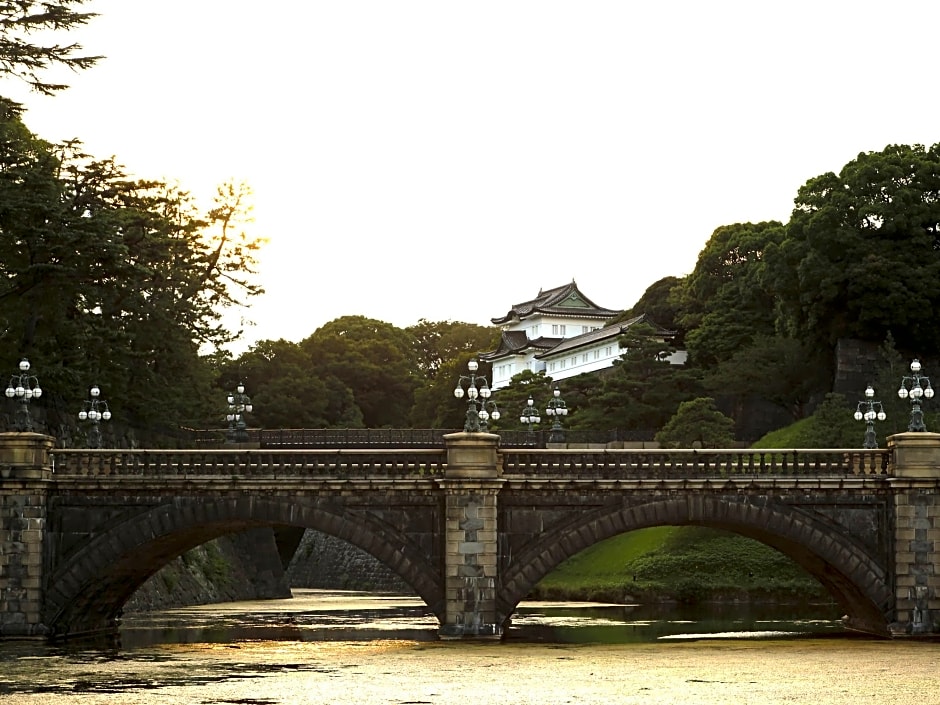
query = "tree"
{"x": 697, "y": 424}
{"x": 113, "y": 281}
{"x": 724, "y": 304}
{"x": 374, "y": 359}
{"x": 434, "y": 403}
{"x": 784, "y": 371}
{"x": 514, "y": 397}
{"x": 861, "y": 254}
{"x": 443, "y": 340}
{"x": 23, "y": 20}
{"x": 832, "y": 425}
{"x": 284, "y": 393}
{"x": 659, "y": 304}
{"x": 642, "y": 390}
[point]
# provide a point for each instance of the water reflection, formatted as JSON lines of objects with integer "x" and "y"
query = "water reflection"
{"x": 622, "y": 624}
{"x": 316, "y": 615}
{"x": 360, "y": 649}
{"x": 311, "y": 615}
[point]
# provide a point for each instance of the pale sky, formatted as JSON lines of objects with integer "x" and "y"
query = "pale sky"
{"x": 445, "y": 160}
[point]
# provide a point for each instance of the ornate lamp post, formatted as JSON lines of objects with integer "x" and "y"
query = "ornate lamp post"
{"x": 915, "y": 394}
{"x": 478, "y": 394}
{"x": 868, "y": 411}
{"x": 239, "y": 404}
{"x": 556, "y": 409}
{"x": 94, "y": 410}
{"x": 23, "y": 387}
{"x": 530, "y": 417}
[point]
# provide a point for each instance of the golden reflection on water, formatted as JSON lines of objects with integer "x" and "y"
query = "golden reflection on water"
{"x": 831, "y": 672}
{"x": 688, "y": 669}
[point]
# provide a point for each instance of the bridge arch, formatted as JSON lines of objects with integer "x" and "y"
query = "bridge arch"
{"x": 853, "y": 577}
{"x": 87, "y": 591}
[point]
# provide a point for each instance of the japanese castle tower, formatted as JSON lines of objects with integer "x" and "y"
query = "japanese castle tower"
{"x": 560, "y": 332}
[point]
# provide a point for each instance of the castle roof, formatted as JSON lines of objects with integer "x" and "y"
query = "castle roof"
{"x": 564, "y": 300}
{"x": 612, "y": 333}
{"x": 515, "y": 342}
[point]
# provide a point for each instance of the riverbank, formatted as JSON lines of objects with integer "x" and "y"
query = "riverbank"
{"x": 681, "y": 564}
{"x": 686, "y": 565}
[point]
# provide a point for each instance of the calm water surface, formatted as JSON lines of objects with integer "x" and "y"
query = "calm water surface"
{"x": 325, "y": 647}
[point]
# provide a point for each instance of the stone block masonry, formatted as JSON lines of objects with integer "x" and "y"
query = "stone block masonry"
{"x": 470, "y": 539}
{"x": 471, "y": 486}
{"x": 25, "y": 473}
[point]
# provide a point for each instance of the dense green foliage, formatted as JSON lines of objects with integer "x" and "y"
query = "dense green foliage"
{"x": 643, "y": 389}
{"x": 442, "y": 350}
{"x": 512, "y": 400}
{"x": 861, "y": 256}
{"x": 697, "y": 424}
{"x": 783, "y": 371}
{"x": 724, "y": 303}
{"x": 658, "y": 303}
{"x": 114, "y": 281}
{"x": 687, "y": 564}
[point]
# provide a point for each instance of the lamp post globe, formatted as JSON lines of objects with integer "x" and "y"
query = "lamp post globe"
{"x": 870, "y": 411}
{"x": 239, "y": 404}
{"x": 530, "y": 417}
{"x": 556, "y": 409}
{"x": 479, "y": 407}
{"x": 94, "y": 410}
{"x": 22, "y": 388}
{"x": 916, "y": 387}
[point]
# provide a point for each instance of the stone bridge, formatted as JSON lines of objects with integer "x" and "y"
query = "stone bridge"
{"x": 472, "y": 527}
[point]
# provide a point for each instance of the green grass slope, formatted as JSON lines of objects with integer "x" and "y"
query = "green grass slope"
{"x": 686, "y": 564}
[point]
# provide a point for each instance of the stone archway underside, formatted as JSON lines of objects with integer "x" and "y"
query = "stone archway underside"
{"x": 87, "y": 591}
{"x": 852, "y": 576}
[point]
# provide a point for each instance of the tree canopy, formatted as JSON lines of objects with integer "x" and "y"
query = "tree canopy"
{"x": 437, "y": 342}
{"x": 21, "y": 21}
{"x": 642, "y": 391}
{"x": 861, "y": 255}
{"x": 659, "y": 304}
{"x": 724, "y": 303}
{"x": 372, "y": 358}
{"x": 109, "y": 280}
{"x": 697, "y": 424}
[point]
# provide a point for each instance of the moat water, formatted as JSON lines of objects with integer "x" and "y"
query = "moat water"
{"x": 327, "y": 647}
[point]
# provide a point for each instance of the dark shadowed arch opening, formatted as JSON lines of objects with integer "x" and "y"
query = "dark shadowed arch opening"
{"x": 87, "y": 591}
{"x": 854, "y": 578}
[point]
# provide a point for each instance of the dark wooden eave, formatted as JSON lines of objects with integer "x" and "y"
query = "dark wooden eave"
{"x": 515, "y": 342}
{"x": 564, "y": 300}
{"x": 612, "y": 333}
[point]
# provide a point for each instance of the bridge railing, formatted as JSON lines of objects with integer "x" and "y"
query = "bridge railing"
{"x": 694, "y": 463}
{"x": 250, "y": 462}
{"x": 399, "y": 437}
{"x": 353, "y": 437}
{"x": 384, "y": 463}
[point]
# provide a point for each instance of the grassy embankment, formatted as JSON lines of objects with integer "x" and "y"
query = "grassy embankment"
{"x": 687, "y": 564}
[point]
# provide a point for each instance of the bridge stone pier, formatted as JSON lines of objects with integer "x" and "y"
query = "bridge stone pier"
{"x": 471, "y": 527}
{"x": 25, "y": 478}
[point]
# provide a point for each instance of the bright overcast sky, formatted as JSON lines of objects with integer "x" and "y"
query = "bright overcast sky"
{"x": 444, "y": 160}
